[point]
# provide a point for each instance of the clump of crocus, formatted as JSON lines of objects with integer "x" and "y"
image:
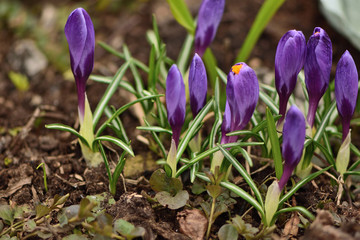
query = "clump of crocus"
{"x": 80, "y": 34}
{"x": 346, "y": 91}
{"x": 317, "y": 69}
{"x": 292, "y": 148}
{"x": 289, "y": 60}
{"x": 197, "y": 85}
{"x": 209, "y": 17}
{"x": 242, "y": 92}
{"x": 175, "y": 104}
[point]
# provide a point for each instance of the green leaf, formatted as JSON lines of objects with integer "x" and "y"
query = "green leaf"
{"x": 112, "y": 87}
{"x": 75, "y": 237}
{"x": 154, "y": 129}
{"x": 238, "y": 191}
{"x": 275, "y": 145}
{"x": 159, "y": 181}
{"x": 266, "y": 12}
{"x": 243, "y": 173}
{"x": 20, "y": 81}
{"x": 157, "y": 139}
{"x": 65, "y": 128}
{"x": 29, "y": 225}
{"x": 213, "y": 150}
{"x": 41, "y": 210}
{"x": 301, "y": 183}
{"x": 185, "y": 52}
{"x": 7, "y": 214}
{"x": 218, "y": 115}
{"x": 58, "y": 200}
{"x": 111, "y": 50}
{"x": 324, "y": 123}
{"x": 182, "y": 14}
{"x": 107, "y": 80}
{"x": 121, "y": 110}
{"x": 117, "y": 142}
{"x": 228, "y": 232}
{"x": 269, "y": 102}
{"x": 300, "y": 209}
{"x": 211, "y": 64}
{"x": 172, "y": 202}
{"x": 192, "y": 129}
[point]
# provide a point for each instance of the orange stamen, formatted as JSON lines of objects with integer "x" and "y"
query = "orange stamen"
{"x": 236, "y": 68}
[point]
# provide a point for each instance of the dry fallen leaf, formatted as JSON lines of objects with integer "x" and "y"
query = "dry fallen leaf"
{"x": 192, "y": 223}
{"x": 291, "y": 227}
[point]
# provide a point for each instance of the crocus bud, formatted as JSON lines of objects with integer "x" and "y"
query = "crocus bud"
{"x": 293, "y": 142}
{"x": 346, "y": 90}
{"x": 197, "y": 85}
{"x": 289, "y": 60}
{"x": 209, "y": 17}
{"x": 80, "y": 34}
{"x": 317, "y": 69}
{"x": 175, "y": 101}
{"x": 242, "y": 91}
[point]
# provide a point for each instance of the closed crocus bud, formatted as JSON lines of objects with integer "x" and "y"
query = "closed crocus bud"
{"x": 289, "y": 60}
{"x": 197, "y": 85}
{"x": 317, "y": 69}
{"x": 209, "y": 17}
{"x": 175, "y": 101}
{"x": 293, "y": 142}
{"x": 346, "y": 89}
{"x": 242, "y": 92}
{"x": 79, "y": 32}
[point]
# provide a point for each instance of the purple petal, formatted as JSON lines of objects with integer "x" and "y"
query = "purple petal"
{"x": 289, "y": 60}
{"x": 346, "y": 89}
{"x": 79, "y": 32}
{"x": 197, "y": 85}
{"x": 209, "y": 17}
{"x": 317, "y": 69}
{"x": 226, "y": 126}
{"x": 242, "y": 93}
{"x": 175, "y": 101}
{"x": 293, "y": 142}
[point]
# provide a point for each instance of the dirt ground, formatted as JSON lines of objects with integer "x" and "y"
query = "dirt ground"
{"x": 25, "y": 142}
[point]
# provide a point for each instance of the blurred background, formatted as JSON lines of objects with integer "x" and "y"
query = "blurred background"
{"x": 34, "y": 57}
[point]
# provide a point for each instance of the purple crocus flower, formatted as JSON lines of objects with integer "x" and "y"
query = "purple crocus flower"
{"x": 175, "y": 101}
{"x": 209, "y": 17}
{"x": 346, "y": 89}
{"x": 293, "y": 142}
{"x": 80, "y": 34}
{"x": 289, "y": 60}
{"x": 197, "y": 85}
{"x": 242, "y": 91}
{"x": 317, "y": 69}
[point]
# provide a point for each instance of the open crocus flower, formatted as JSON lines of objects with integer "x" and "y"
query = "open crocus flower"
{"x": 289, "y": 60}
{"x": 317, "y": 69}
{"x": 79, "y": 32}
{"x": 242, "y": 92}
{"x": 346, "y": 89}
{"x": 209, "y": 17}
{"x": 197, "y": 85}
{"x": 175, "y": 101}
{"x": 293, "y": 142}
